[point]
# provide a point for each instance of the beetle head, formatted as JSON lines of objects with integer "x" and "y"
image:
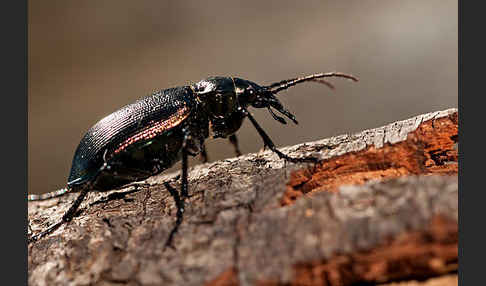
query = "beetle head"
{"x": 251, "y": 94}
{"x": 225, "y": 96}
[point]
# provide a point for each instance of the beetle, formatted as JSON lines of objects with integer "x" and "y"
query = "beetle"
{"x": 150, "y": 135}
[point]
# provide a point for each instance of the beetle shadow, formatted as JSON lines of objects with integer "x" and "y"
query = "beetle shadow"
{"x": 119, "y": 195}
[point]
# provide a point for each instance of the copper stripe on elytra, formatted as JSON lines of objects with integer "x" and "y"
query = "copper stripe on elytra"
{"x": 155, "y": 129}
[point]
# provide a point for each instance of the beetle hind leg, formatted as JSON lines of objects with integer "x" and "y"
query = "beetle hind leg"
{"x": 67, "y": 217}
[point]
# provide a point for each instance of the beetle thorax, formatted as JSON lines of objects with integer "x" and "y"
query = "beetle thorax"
{"x": 219, "y": 98}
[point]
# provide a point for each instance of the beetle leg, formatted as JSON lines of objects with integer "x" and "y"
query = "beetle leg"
{"x": 268, "y": 142}
{"x": 179, "y": 198}
{"x": 71, "y": 212}
{"x": 67, "y": 217}
{"x": 184, "y": 167}
{"x": 180, "y": 210}
{"x": 203, "y": 155}
{"x": 234, "y": 141}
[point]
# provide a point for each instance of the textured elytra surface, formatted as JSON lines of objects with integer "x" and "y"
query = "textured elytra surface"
{"x": 122, "y": 124}
{"x": 234, "y": 224}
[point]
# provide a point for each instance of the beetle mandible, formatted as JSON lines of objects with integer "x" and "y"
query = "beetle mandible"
{"x": 150, "y": 135}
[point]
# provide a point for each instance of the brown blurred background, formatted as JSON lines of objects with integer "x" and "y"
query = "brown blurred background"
{"x": 88, "y": 58}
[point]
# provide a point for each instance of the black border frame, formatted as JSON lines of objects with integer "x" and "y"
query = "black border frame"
{"x": 14, "y": 115}
{"x": 14, "y": 141}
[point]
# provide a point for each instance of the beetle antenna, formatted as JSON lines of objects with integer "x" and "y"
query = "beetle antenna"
{"x": 284, "y": 84}
{"x": 324, "y": 82}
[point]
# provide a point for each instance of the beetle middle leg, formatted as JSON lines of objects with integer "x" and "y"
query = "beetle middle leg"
{"x": 234, "y": 141}
{"x": 268, "y": 142}
{"x": 180, "y": 211}
{"x": 203, "y": 153}
{"x": 179, "y": 199}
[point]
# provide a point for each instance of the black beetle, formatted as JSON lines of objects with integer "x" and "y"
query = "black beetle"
{"x": 152, "y": 134}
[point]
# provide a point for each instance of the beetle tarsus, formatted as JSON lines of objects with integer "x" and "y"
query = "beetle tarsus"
{"x": 67, "y": 217}
{"x": 179, "y": 216}
{"x": 234, "y": 141}
{"x": 50, "y": 229}
{"x": 203, "y": 155}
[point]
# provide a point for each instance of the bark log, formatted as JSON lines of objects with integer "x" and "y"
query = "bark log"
{"x": 380, "y": 206}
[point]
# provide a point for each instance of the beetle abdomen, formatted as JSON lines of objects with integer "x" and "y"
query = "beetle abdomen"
{"x": 133, "y": 124}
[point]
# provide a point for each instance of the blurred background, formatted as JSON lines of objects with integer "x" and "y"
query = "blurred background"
{"x": 89, "y": 58}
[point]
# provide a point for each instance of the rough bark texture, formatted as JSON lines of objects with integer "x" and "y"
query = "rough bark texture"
{"x": 380, "y": 207}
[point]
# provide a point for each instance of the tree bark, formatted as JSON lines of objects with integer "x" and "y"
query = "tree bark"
{"x": 380, "y": 206}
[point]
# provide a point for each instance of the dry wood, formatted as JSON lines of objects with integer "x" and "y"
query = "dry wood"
{"x": 381, "y": 206}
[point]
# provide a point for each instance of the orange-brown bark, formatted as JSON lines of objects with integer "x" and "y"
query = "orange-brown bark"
{"x": 431, "y": 148}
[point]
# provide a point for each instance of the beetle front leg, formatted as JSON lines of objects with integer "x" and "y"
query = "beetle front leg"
{"x": 268, "y": 142}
